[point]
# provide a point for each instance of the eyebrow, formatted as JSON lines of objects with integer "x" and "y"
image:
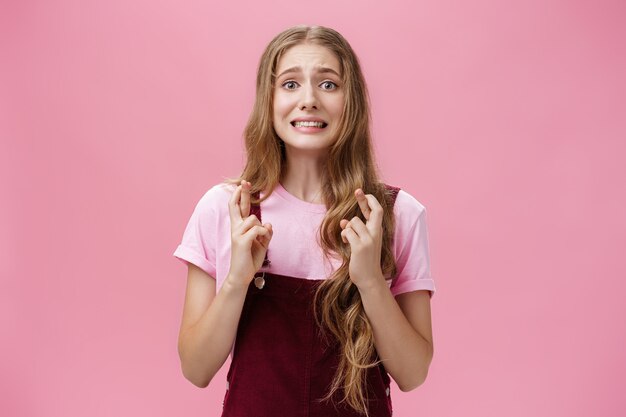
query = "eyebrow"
{"x": 320, "y": 70}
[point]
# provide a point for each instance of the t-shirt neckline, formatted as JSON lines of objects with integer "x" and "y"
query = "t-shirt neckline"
{"x": 300, "y": 204}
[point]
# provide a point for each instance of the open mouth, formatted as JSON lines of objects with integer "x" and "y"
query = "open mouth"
{"x": 320, "y": 125}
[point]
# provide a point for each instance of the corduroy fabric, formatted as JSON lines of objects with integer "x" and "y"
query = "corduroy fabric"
{"x": 283, "y": 363}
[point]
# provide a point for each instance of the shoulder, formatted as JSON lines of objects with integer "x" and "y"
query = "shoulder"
{"x": 407, "y": 209}
{"x": 216, "y": 197}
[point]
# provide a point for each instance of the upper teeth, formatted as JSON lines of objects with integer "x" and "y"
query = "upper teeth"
{"x": 308, "y": 124}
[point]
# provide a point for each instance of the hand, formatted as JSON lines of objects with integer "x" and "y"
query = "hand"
{"x": 249, "y": 239}
{"x": 365, "y": 241}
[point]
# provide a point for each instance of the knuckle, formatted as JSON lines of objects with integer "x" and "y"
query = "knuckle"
{"x": 251, "y": 220}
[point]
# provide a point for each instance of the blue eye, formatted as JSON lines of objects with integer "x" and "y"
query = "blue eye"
{"x": 289, "y": 82}
{"x": 330, "y": 82}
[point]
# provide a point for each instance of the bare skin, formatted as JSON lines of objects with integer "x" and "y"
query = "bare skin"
{"x": 401, "y": 325}
{"x": 209, "y": 322}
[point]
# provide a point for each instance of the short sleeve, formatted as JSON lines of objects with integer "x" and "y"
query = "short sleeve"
{"x": 200, "y": 235}
{"x": 411, "y": 247}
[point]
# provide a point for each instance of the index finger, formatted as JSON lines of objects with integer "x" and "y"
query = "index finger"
{"x": 233, "y": 206}
{"x": 376, "y": 215}
{"x": 365, "y": 208}
{"x": 244, "y": 205}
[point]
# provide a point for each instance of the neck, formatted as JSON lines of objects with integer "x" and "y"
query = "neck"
{"x": 302, "y": 176}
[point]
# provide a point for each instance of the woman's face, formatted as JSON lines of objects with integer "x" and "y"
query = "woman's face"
{"x": 308, "y": 88}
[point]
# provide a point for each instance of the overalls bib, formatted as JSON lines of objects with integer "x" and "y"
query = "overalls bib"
{"x": 281, "y": 364}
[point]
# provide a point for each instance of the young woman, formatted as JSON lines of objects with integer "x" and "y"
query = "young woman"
{"x": 306, "y": 269}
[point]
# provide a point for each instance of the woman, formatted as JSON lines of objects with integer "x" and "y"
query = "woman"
{"x": 321, "y": 303}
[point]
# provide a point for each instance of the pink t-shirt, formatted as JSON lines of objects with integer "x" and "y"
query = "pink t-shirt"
{"x": 294, "y": 249}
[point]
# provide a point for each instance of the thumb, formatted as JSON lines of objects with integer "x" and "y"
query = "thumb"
{"x": 265, "y": 239}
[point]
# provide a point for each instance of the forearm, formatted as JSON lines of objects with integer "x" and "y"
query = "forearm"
{"x": 204, "y": 347}
{"x": 406, "y": 355}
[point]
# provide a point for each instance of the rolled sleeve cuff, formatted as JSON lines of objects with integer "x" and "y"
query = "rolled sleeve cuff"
{"x": 185, "y": 255}
{"x": 414, "y": 285}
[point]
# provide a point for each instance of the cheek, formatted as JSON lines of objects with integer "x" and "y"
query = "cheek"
{"x": 336, "y": 106}
{"x": 282, "y": 105}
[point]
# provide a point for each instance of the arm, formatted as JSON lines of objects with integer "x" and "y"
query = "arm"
{"x": 402, "y": 329}
{"x": 209, "y": 325}
{"x": 210, "y": 321}
{"x": 402, "y": 332}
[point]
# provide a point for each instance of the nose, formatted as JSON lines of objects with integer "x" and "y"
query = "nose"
{"x": 308, "y": 98}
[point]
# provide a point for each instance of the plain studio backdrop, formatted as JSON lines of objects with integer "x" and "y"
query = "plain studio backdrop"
{"x": 505, "y": 119}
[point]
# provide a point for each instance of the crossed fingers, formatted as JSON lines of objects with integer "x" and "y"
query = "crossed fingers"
{"x": 373, "y": 213}
{"x": 239, "y": 204}
{"x": 240, "y": 218}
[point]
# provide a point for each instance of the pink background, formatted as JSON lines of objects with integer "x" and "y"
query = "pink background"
{"x": 505, "y": 119}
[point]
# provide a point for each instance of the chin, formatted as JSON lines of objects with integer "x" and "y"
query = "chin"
{"x": 307, "y": 146}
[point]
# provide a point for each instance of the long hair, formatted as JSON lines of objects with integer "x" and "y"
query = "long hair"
{"x": 350, "y": 165}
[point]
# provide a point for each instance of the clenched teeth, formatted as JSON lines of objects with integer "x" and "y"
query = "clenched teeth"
{"x": 308, "y": 124}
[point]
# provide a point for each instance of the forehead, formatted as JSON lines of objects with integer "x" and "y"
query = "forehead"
{"x": 308, "y": 57}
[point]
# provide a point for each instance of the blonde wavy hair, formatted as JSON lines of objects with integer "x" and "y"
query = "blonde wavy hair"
{"x": 350, "y": 165}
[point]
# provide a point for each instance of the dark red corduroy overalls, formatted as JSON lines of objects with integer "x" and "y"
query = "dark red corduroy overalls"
{"x": 281, "y": 365}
